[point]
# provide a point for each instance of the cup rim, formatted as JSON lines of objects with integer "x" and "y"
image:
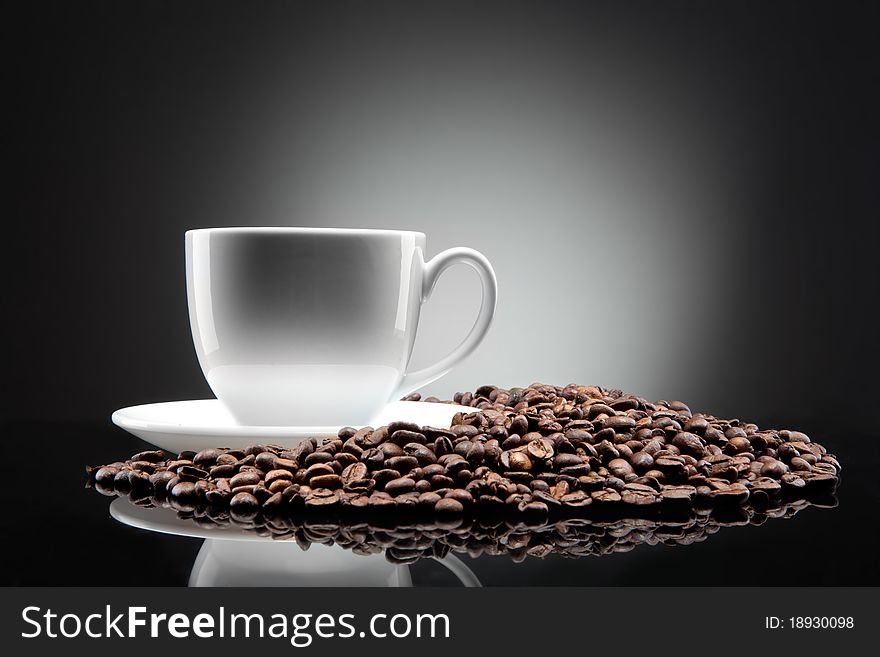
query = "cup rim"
{"x": 290, "y": 230}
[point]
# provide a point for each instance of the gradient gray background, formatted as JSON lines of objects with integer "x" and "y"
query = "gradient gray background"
{"x": 679, "y": 199}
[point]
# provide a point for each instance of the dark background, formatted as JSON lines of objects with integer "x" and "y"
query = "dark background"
{"x": 137, "y": 121}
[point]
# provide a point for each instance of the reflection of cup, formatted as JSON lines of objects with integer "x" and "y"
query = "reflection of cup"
{"x": 286, "y": 321}
{"x": 280, "y": 563}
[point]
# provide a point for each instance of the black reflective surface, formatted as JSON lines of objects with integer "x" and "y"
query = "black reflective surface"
{"x": 60, "y": 533}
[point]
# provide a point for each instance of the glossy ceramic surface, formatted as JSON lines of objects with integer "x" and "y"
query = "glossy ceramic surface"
{"x": 202, "y": 423}
{"x": 286, "y": 321}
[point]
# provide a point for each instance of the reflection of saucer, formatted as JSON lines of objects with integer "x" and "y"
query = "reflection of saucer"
{"x": 203, "y": 423}
{"x": 166, "y": 521}
{"x": 234, "y": 557}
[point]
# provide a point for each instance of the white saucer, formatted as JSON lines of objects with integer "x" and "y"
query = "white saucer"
{"x": 201, "y": 423}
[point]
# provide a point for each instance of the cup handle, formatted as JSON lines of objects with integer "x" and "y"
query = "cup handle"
{"x": 458, "y": 568}
{"x": 432, "y": 270}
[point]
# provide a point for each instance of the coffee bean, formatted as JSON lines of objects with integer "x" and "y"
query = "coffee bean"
{"x": 774, "y": 468}
{"x": 515, "y": 461}
{"x": 620, "y": 468}
{"x": 191, "y": 473}
{"x": 285, "y": 464}
{"x": 265, "y": 461}
{"x": 273, "y": 475}
{"x": 421, "y": 453}
{"x": 475, "y": 454}
{"x": 402, "y": 464}
{"x": 279, "y": 485}
{"x": 689, "y": 443}
{"x": 638, "y": 494}
{"x": 448, "y": 506}
{"x": 576, "y": 499}
{"x": 400, "y": 485}
{"x": 159, "y": 480}
{"x": 605, "y": 496}
{"x": 185, "y": 490}
{"x": 797, "y": 463}
{"x": 534, "y": 510}
{"x": 403, "y": 436}
{"x": 642, "y": 461}
{"x": 105, "y": 475}
{"x": 326, "y": 481}
{"x": 322, "y": 497}
{"x": 314, "y": 470}
{"x": 619, "y": 423}
{"x": 540, "y": 449}
{"x": 443, "y": 445}
{"x": 317, "y": 457}
{"x": 563, "y": 461}
{"x": 207, "y": 457}
{"x": 354, "y": 472}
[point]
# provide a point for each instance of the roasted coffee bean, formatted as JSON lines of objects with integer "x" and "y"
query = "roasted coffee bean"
{"x": 475, "y": 454}
{"x": 442, "y": 481}
{"x": 318, "y": 457}
{"x": 642, "y": 461}
{"x": 421, "y": 453}
{"x": 382, "y": 477}
{"x": 797, "y": 463}
{"x": 689, "y": 443}
{"x": 448, "y": 506}
{"x": 152, "y": 456}
{"x": 400, "y": 485}
{"x": 143, "y": 466}
{"x": 354, "y": 472}
{"x": 403, "y": 436}
{"x": 373, "y": 458}
{"x": 265, "y": 461}
{"x": 285, "y": 464}
{"x": 534, "y": 509}
{"x": 443, "y": 445}
{"x": 326, "y": 481}
{"x": 540, "y": 449}
{"x": 402, "y": 464}
{"x": 774, "y": 468}
{"x": 316, "y": 470}
{"x": 222, "y": 471}
{"x": 576, "y": 499}
{"x": 619, "y": 423}
{"x": 429, "y": 499}
{"x": 191, "y": 473}
{"x": 185, "y": 490}
{"x": 739, "y": 444}
{"x": 638, "y": 494}
{"x": 159, "y": 480}
{"x": 563, "y": 461}
{"x": 273, "y": 475}
{"x": 605, "y": 496}
{"x": 207, "y": 457}
{"x": 465, "y": 430}
{"x": 516, "y": 461}
{"x": 391, "y": 450}
{"x": 279, "y": 485}
{"x": 620, "y": 468}
{"x": 323, "y": 498}
{"x": 106, "y": 474}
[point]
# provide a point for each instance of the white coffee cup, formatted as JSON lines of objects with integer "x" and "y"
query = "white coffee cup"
{"x": 315, "y": 326}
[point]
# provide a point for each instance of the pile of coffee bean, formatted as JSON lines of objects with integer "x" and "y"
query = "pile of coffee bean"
{"x": 534, "y": 451}
{"x": 407, "y": 542}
